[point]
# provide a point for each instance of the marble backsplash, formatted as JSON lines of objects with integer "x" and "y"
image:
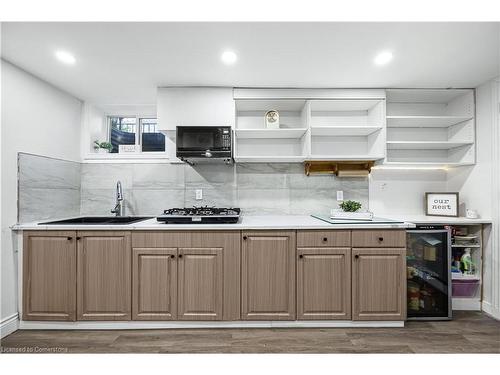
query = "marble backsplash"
{"x": 47, "y": 188}
{"x": 51, "y": 188}
{"x": 258, "y": 189}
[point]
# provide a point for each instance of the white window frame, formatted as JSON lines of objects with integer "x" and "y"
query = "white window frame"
{"x": 139, "y": 155}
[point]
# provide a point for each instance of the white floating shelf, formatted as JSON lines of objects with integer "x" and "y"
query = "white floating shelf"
{"x": 465, "y": 246}
{"x": 425, "y": 145}
{"x": 271, "y": 133}
{"x": 423, "y": 164}
{"x": 269, "y": 159}
{"x": 344, "y": 131}
{"x": 424, "y": 121}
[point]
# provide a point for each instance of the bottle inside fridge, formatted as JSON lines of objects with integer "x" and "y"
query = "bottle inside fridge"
{"x": 428, "y": 273}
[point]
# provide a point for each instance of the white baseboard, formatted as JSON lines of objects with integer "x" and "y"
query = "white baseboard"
{"x": 9, "y": 325}
{"x": 235, "y": 324}
{"x": 491, "y": 310}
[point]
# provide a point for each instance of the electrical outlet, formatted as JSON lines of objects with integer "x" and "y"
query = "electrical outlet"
{"x": 340, "y": 195}
{"x": 199, "y": 194}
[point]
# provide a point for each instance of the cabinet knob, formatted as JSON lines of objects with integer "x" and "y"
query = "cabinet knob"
{"x": 69, "y": 238}
{"x": 301, "y": 256}
{"x": 172, "y": 256}
{"x": 325, "y": 239}
{"x": 245, "y": 237}
{"x": 78, "y": 238}
{"x": 381, "y": 239}
{"x": 356, "y": 256}
{"x": 180, "y": 255}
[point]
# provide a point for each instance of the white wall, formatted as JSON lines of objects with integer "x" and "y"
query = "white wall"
{"x": 36, "y": 118}
{"x": 479, "y": 188}
{"x": 401, "y": 192}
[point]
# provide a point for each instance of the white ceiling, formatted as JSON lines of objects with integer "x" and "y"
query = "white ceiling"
{"x": 123, "y": 63}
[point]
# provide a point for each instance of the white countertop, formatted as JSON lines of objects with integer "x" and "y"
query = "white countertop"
{"x": 245, "y": 223}
{"x": 265, "y": 222}
{"x": 422, "y": 219}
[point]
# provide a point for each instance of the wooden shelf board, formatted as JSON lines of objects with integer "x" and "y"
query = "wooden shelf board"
{"x": 424, "y": 121}
{"x": 270, "y": 133}
{"x": 425, "y": 145}
{"x": 344, "y": 130}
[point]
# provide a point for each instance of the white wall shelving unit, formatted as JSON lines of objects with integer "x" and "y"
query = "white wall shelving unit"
{"x": 347, "y": 129}
{"x": 324, "y": 125}
{"x": 430, "y": 127}
{"x": 255, "y": 143}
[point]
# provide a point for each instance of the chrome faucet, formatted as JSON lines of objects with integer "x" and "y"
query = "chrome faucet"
{"x": 119, "y": 209}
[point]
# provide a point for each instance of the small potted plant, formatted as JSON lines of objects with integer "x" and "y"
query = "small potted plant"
{"x": 350, "y": 210}
{"x": 350, "y": 206}
{"x": 102, "y": 147}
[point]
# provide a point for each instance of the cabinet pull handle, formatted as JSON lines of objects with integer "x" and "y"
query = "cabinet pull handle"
{"x": 356, "y": 256}
{"x": 78, "y": 238}
{"x": 245, "y": 237}
{"x": 381, "y": 239}
{"x": 69, "y": 238}
{"x": 172, "y": 256}
{"x": 180, "y": 255}
{"x": 301, "y": 256}
{"x": 325, "y": 239}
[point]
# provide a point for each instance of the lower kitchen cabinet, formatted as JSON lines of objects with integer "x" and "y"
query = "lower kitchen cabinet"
{"x": 324, "y": 283}
{"x": 154, "y": 284}
{"x": 186, "y": 275}
{"x": 268, "y": 275}
{"x": 104, "y": 275}
{"x": 200, "y": 283}
{"x": 49, "y": 275}
{"x": 378, "y": 284}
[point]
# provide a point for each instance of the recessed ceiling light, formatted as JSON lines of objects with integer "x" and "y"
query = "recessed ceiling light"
{"x": 229, "y": 57}
{"x": 65, "y": 57}
{"x": 383, "y": 58}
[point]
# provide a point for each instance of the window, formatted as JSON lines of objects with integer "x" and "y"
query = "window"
{"x": 138, "y": 131}
{"x": 151, "y": 139}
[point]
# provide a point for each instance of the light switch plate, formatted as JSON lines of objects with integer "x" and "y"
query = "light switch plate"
{"x": 340, "y": 195}
{"x": 199, "y": 194}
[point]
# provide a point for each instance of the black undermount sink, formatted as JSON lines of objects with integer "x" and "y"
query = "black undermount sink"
{"x": 99, "y": 220}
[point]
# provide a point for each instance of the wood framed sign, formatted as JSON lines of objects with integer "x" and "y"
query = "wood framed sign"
{"x": 441, "y": 204}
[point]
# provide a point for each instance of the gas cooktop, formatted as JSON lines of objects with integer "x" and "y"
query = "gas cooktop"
{"x": 200, "y": 215}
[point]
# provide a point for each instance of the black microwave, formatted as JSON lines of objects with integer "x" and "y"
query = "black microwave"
{"x": 204, "y": 142}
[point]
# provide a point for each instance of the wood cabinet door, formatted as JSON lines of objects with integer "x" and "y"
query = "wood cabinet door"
{"x": 154, "y": 284}
{"x": 104, "y": 275}
{"x": 324, "y": 283}
{"x": 378, "y": 284}
{"x": 200, "y": 283}
{"x": 268, "y": 276}
{"x": 49, "y": 275}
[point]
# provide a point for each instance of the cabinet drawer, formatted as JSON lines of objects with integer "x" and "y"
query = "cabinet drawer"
{"x": 378, "y": 238}
{"x": 330, "y": 238}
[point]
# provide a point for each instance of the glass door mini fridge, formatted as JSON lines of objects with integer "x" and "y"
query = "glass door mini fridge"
{"x": 428, "y": 273}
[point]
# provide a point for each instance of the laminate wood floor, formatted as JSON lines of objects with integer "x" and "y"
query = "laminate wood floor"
{"x": 469, "y": 332}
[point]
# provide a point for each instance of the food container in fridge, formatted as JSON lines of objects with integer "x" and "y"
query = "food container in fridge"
{"x": 464, "y": 288}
